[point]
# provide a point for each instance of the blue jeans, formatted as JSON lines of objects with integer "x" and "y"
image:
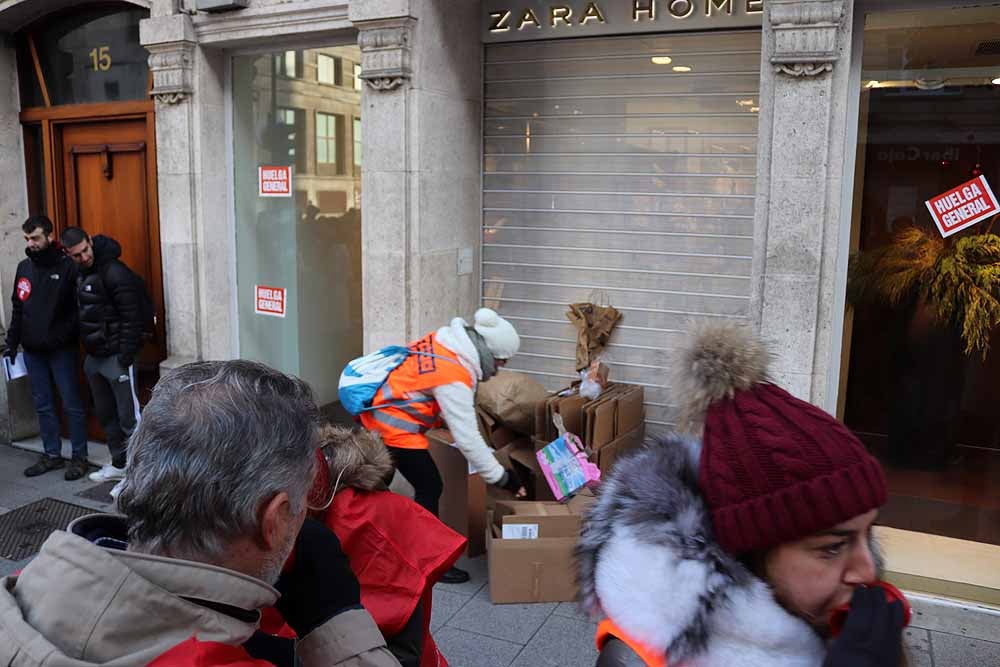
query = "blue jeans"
{"x": 63, "y": 366}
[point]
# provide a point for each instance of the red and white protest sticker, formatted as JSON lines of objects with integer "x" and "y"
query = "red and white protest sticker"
{"x": 963, "y": 206}
{"x": 269, "y": 300}
{"x": 274, "y": 181}
{"x": 23, "y": 288}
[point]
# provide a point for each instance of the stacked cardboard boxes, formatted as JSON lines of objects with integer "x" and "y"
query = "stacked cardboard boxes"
{"x": 530, "y": 546}
{"x": 530, "y": 542}
{"x": 609, "y": 426}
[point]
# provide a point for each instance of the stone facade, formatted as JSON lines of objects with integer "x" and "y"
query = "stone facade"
{"x": 798, "y": 222}
{"x": 421, "y": 124}
{"x": 421, "y": 179}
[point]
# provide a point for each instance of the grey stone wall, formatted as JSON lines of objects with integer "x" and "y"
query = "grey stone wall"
{"x": 421, "y": 118}
{"x": 804, "y": 89}
{"x": 13, "y": 193}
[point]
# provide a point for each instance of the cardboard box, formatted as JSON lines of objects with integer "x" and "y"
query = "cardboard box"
{"x": 534, "y": 563}
{"x": 607, "y": 455}
{"x": 609, "y": 426}
{"x": 463, "y": 501}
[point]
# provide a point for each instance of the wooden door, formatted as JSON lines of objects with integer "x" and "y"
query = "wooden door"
{"x": 107, "y": 185}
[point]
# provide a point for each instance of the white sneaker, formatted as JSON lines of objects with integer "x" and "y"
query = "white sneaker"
{"x": 116, "y": 490}
{"x": 107, "y": 473}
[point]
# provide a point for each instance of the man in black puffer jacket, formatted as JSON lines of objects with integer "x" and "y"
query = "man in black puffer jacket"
{"x": 44, "y": 322}
{"x": 111, "y": 327}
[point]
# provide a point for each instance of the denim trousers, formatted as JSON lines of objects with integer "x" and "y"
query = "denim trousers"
{"x": 62, "y": 366}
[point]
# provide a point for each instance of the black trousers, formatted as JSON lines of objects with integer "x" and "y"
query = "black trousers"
{"x": 419, "y": 469}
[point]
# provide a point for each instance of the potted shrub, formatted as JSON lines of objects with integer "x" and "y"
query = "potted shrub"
{"x": 947, "y": 290}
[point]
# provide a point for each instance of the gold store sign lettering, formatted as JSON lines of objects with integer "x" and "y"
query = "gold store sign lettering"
{"x": 509, "y": 20}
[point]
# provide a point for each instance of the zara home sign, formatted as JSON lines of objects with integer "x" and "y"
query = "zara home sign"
{"x": 521, "y": 20}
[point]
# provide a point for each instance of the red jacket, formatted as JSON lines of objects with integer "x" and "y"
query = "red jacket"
{"x": 398, "y": 550}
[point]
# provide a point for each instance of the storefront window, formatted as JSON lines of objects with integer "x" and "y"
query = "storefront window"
{"x": 922, "y": 386}
{"x": 298, "y": 228}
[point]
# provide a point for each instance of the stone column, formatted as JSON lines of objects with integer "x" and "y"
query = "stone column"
{"x": 386, "y": 201}
{"x": 421, "y": 184}
{"x": 17, "y": 410}
{"x": 171, "y": 43}
{"x": 804, "y": 91}
{"x": 12, "y": 188}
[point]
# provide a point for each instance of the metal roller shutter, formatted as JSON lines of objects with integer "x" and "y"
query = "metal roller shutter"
{"x": 619, "y": 169}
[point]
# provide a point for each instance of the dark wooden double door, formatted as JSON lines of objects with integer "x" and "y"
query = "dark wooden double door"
{"x": 98, "y": 172}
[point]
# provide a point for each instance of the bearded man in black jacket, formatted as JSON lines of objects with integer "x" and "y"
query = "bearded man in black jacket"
{"x": 44, "y": 323}
{"x": 111, "y": 325}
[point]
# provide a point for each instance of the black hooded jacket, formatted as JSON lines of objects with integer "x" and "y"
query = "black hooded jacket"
{"x": 44, "y": 315}
{"x": 110, "y": 304}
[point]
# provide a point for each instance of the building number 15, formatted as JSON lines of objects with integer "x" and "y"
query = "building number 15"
{"x": 101, "y": 58}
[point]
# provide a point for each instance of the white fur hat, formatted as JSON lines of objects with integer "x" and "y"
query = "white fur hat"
{"x": 498, "y": 333}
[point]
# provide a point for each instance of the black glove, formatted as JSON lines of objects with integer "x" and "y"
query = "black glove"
{"x": 125, "y": 360}
{"x": 11, "y": 352}
{"x": 320, "y": 584}
{"x": 511, "y": 481}
{"x": 872, "y": 634}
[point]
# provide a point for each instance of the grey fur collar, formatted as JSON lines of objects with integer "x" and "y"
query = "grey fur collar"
{"x": 647, "y": 559}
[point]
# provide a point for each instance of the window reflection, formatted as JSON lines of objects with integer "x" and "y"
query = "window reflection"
{"x": 310, "y": 243}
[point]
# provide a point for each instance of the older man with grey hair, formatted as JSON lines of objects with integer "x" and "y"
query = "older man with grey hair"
{"x": 214, "y": 504}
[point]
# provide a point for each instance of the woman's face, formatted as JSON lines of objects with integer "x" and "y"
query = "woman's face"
{"x": 815, "y": 575}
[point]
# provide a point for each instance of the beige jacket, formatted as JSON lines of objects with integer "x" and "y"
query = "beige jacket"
{"x": 78, "y": 604}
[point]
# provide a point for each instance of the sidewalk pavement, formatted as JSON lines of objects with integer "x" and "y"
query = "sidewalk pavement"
{"x": 469, "y": 629}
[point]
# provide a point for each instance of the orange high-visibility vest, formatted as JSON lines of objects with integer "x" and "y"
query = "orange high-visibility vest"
{"x": 607, "y": 629}
{"x": 400, "y": 413}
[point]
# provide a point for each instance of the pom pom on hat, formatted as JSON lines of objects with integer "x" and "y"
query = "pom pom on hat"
{"x": 499, "y": 334}
{"x": 723, "y": 358}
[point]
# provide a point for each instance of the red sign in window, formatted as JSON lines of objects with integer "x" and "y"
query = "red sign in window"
{"x": 269, "y": 300}
{"x": 275, "y": 181}
{"x": 963, "y": 206}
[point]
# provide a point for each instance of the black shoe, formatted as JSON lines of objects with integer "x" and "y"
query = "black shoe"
{"x": 77, "y": 469}
{"x": 43, "y": 465}
{"x": 455, "y": 576}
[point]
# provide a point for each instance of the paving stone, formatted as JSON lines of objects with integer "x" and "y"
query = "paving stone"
{"x": 16, "y": 494}
{"x": 70, "y": 492}
{"x": 14, "y": 463}
{"x": 570, "y": 610}
{"x": 561, "y": 642}
{"x": 955, "y": 617}
{"x": 512, "y": 622}
{"x": 478, "y": 573}
{"x": 955, "y": 651}
{"x": 445, "y": 606}
{"x": 917, "y": 645}
{"x": 467, "y": 649}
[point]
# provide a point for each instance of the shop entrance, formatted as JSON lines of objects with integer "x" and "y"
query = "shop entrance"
{"x": 106, "y": 184}
{"x": 89, "y": 137}
{"x": 619, "y": 170}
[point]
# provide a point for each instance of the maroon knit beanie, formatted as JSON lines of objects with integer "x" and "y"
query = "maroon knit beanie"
{"x": 774, "y": 469}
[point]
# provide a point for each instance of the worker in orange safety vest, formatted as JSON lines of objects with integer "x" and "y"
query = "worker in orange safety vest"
{"x": 438, "y": 383}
